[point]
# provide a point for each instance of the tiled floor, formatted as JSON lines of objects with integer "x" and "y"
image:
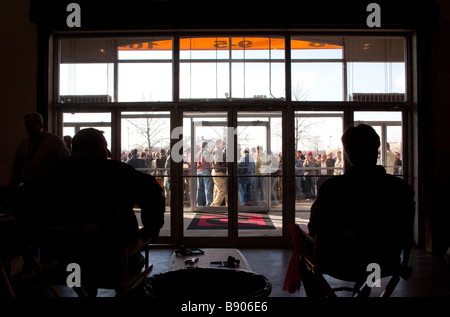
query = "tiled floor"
{"x": 429, "y": 279}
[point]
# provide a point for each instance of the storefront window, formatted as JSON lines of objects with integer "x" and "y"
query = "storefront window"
{"x": 135, "y": 88}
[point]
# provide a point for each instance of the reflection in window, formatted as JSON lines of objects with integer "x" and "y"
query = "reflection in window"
{"x": 258, "y": 80}
{"x": 376, "y": 69}
{"x": 232, "y": 67}
{"x": 204, "y": 80}
{"x": 86, "y": 71}
{"x": 148, "y": 49}
{"x": 204, "y": 48}
{"x": 145, "y": 69}
{"x": 91, "y": 82}
{"x": 145, "y": 82}
{"x": 317, "y": 82}
{"x": 323, "y": 68}
{"x": 316, "y": 48}
{"x": 376, "y": 81}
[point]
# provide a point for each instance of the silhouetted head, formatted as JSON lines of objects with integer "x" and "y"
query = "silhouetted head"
{"x": 90, "y": 142}
{"x": 34, "y": 124}
{"x": 361, "y": 144}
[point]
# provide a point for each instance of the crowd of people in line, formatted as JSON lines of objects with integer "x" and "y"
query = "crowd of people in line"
{"x": 145, "y": 159}
{"x": 312, "y": 171}
{"x": 259, "y": 171}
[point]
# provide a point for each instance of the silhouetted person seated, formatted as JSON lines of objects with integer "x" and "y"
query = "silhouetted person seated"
{"x": 90, "y": 201}
{"x": 364, "y": 216}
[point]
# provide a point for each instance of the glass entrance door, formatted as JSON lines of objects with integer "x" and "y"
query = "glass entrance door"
{"x": 212, "y": 151}
{"x": 206, "y": 174}
{"x": 259, "y": 174}
{"x": 252, "y": 165}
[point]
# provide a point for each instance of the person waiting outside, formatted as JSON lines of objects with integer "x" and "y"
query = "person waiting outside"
{"x": 219, "y": 171}
{"x": 204, "y": 182}
{"x": 246, "y": 168}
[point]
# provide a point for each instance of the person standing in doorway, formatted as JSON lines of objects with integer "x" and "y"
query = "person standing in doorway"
{"x": 338, "y": 164}
{"x": 259, "y": 181}
{"x": 204, "y": 182}
{"x": 246, "y": 169}
{"x": 309, "y": 166}
{"x": 219, "y": 172}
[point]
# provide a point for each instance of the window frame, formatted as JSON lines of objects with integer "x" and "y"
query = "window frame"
{"x": 287, "y": 107}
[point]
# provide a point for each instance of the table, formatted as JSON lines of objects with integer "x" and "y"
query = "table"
{"x": 177, "y": 261}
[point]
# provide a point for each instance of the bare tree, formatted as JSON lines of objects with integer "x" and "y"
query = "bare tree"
{"x": 299, "y": 92}
{"x": 149, "y": 129}
{"x": 303, "y": 135}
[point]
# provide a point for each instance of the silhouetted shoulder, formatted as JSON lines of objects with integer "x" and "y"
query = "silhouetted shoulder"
{"x": 399, "y": 185}
{"x": 333, "y": 183}
{"x": 127, "y": 171}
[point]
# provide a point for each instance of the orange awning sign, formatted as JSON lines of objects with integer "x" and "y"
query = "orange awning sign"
{"x": 224, "y": 43}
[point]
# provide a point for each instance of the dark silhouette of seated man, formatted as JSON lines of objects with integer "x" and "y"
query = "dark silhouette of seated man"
{"x": 364, "y": 216}
{"x": 87, "y": 200}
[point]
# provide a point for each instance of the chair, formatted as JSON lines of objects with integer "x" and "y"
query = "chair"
{"x": 85, "y": 245}
{"x": 127, "y": 281}
{"x": 21, "y": 271}
{"x": 309, "y": 265}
